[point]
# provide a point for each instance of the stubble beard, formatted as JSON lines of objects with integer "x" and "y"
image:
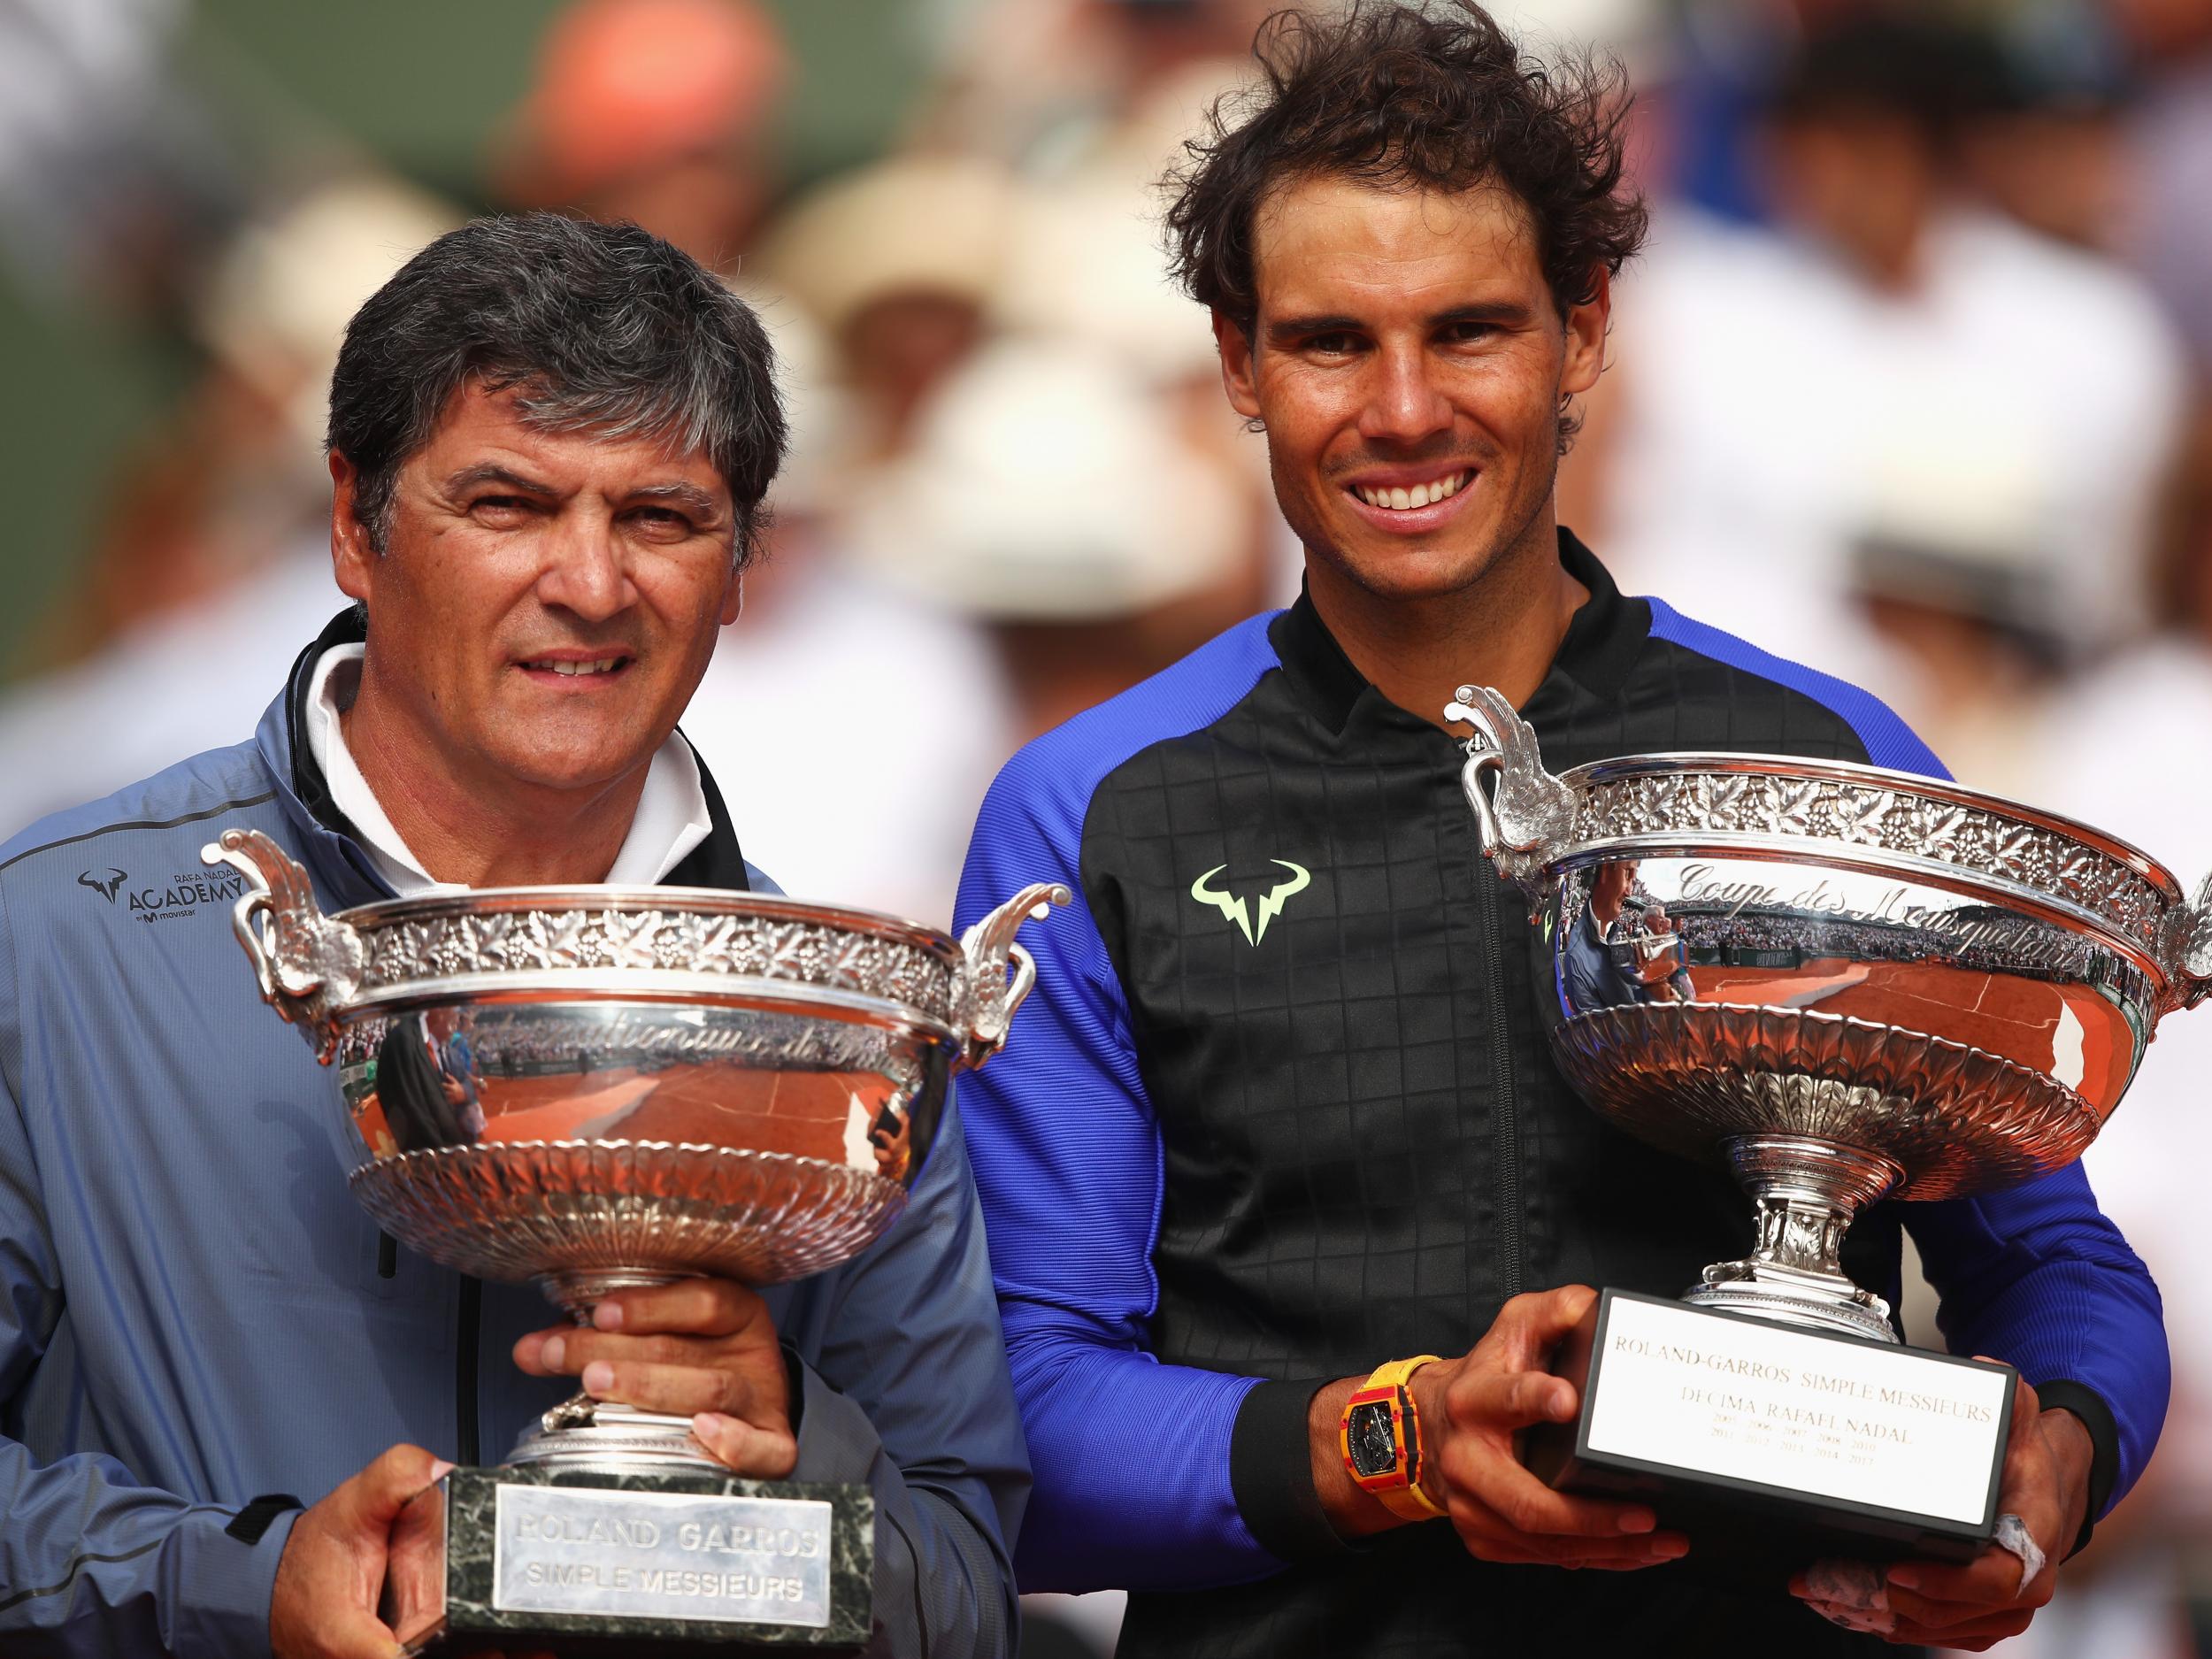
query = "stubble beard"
{"x": 1509, "y": 557}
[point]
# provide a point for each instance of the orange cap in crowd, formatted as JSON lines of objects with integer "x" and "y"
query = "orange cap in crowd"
{"x": 625, "y": 85}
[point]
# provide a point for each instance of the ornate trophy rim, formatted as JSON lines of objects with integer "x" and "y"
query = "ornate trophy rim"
{"x": 623, "y": 899}
{"x": 1662, "y": 762}
{"x": 1967, "y": 840}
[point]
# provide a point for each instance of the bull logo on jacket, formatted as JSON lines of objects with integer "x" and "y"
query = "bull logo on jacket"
{"x": 1238, "y": 908}
{"x": 106, "y": 886}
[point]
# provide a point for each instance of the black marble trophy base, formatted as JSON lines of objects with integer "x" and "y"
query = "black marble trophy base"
{"x": 471, "y": 1572}
{"x": 1840, "y": 1427}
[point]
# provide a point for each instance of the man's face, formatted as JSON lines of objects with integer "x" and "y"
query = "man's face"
{"x": 1409, "y": 363}
{"x": 1612, "y": 885}
{"x": 546, "y": 602}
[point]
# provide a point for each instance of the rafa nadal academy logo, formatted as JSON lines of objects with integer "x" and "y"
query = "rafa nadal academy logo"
{"x": 106, "y": 883}
{"x": 1238, "y": 910}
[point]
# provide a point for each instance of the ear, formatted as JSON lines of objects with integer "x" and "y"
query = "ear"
{"x": 1586, "y": 338}
{"x": 352, "y": 560}
{"x": 1237, "y": 380}
{"x": 733, "y": 596}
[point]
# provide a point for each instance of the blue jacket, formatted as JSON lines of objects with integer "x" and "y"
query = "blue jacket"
{"x": 194, "y": 1312}
{"x": 1282, "y": 1110}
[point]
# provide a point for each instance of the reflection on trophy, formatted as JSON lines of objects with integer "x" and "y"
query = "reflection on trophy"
{"x": 602, "y": 1088}
{"x": 1868, "y": 984}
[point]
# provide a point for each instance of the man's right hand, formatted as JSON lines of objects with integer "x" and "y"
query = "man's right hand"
{"x": 1470, "y": 1409}
{"x": 324, "y": 1606}
{"x": 1478, "y": 1404}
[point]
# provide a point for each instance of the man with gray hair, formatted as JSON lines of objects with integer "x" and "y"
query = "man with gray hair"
{"x": 548, "y": 444}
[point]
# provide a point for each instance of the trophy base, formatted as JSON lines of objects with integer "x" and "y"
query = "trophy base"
{"x": 590, "y": 1561}
{"x": 1770, "y": 1445}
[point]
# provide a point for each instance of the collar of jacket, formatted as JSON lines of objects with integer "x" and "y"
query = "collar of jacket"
{"x": 1598, "y": 651}
{"x": 331, "y": 843}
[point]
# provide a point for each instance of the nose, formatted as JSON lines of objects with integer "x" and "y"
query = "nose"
{"x": 1404, "y": 403}
{"x": 586, "y": 570}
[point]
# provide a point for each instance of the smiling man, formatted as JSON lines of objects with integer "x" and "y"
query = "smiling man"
{"x": 549, "y": 445}
{"x": 1284, "y": 1124}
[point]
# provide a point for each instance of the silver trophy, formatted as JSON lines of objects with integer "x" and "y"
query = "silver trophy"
{"x": 599, "y": 1087}
{"x": 1847, "y": 983}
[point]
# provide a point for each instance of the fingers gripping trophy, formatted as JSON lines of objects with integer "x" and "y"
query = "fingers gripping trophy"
{"x": 1847, "y": 984}
{"x": 602, "y": 1089}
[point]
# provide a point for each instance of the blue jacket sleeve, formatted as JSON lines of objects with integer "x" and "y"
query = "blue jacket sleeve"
{"x": 904, "y": 1387}
{"x": 1131, "y": 1456}
{"x": 92, "y": 1564}
{"x": 2037, "y": 1275}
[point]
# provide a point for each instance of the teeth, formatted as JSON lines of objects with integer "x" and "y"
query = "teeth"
{"x": 603, "y": 665}
{"x": 1400, "y": 500}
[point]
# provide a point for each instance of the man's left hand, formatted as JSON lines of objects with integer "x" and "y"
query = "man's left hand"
{"x": 2046, "y": 1483}
{"x": 705, "y": 1348}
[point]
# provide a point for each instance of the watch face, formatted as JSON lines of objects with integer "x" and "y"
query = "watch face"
{"x": 1374, "y": 1448}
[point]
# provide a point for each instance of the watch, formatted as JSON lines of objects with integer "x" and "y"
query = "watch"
{"x": 1380, "y": 1436}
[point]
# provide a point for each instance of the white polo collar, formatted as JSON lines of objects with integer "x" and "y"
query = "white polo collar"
{"x": 672, "y": 813}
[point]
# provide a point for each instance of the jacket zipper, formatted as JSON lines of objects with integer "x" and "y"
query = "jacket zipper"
{"x": 1505, "y": 1110}
{"x": 465, "y": 1371}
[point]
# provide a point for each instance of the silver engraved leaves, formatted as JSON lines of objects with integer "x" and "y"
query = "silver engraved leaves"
{"x": 744, "y": 947}
{"x": 1977, "y": 842}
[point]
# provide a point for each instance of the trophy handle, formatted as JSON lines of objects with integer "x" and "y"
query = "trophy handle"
{"x": 2190, "y": 952}
{"x": 307, "y": 965}
{"x": 1525, "y": 815}
{"x": 988, "y": 999}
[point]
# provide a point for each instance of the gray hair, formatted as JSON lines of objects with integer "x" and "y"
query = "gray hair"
{"x": 594, "y": 327}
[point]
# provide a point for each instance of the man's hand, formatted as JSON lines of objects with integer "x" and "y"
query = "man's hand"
{"x": 1471, "y": 1411}
{"x": 324, "y": 1604}
{"x": 705, "y": 1348}
{"x": 2046, "y": 1483}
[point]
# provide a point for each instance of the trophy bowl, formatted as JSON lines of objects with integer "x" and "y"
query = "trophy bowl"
{"x": 1849, "y": 982}
{"x": 597, "y": 1088}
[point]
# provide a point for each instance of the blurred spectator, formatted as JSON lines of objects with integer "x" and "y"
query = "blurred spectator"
{"x": 214, "y": 569}
{"x": 2170, "y": 226}
{"x": 1049, "y": 496}
{"x": 2049, "y": 146}
{"x": 1041, "y": 83}
{"x": 656, "y": 112}
{"x": 1790, "y": 408}
{"x": 113, "y": 178}
{"x": 896, "y": 263}
{"x": 234, "y": 477}
{"x": 854, "y": 725}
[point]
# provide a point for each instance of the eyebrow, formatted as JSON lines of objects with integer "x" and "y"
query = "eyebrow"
{"x": 1505, "y": 313}
{"x": 492, "y": 473}
{"x": 699, "y": 502}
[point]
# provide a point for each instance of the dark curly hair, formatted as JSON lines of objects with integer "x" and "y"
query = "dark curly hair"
{"x": 1396, "y": 94}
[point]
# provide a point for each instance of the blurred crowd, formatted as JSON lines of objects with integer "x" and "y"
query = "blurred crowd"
{"x": 1914, "y": 383}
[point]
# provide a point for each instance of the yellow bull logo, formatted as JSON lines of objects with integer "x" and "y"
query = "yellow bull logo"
{"x": 1238, "y": 910}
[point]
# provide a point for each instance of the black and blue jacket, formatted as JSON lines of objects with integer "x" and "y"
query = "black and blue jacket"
{"x": 1281, "y": 1110}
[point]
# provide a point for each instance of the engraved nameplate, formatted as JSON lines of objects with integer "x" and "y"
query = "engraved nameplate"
{"x": 661, "y": 1554}
{"x": 1885, "y": 1427}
